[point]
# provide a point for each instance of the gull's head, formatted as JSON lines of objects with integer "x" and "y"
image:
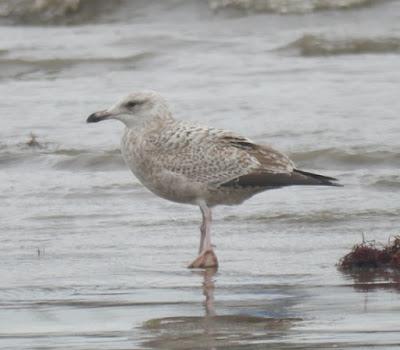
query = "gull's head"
{"x": 134, "y": 109}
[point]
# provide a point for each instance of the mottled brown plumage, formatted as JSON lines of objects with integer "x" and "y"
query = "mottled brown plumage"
{"x": 187, "y": 163}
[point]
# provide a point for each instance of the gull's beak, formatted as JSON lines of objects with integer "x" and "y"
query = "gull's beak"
{"x": 98, "y": 116}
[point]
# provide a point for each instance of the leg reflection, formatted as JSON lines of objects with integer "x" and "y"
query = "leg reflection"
{"x": 234, "y": 321}
{"x": 209, "y": 327}
{"x": 208, "y": 290}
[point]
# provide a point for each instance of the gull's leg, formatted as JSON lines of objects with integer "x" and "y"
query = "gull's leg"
{"x": 207, "y": 257}
{"x": 202, "y": 233}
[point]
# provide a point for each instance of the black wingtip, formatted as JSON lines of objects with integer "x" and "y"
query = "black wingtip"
{"x": 334, "y": 184}
{"x": 319, "y": 179}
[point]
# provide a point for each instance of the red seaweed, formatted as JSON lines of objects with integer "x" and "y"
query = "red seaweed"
{"x": 370, "y": 255}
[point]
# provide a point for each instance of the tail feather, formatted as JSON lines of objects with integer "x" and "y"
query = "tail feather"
{"x": 275, "y": 180}
{"x": 316, "y": 179}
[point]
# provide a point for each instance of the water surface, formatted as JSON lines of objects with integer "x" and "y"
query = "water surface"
{"x": 92, "y": 260}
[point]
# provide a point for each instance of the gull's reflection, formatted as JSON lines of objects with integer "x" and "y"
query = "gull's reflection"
{"x": 209, "y": 328}
{"x": 222, "y": 329}
{"x": 208, "y": 290}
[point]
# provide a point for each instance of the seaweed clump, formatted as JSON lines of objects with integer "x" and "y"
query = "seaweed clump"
{"x": 369, "y": 255}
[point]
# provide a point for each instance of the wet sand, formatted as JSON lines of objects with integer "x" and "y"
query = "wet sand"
{"x": 117, "y": 290}
{"x": 92, "y": 260}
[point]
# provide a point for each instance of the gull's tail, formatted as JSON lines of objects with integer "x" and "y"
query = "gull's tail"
{"x": 275, "y": 180}
{"x": 306, "y": 178}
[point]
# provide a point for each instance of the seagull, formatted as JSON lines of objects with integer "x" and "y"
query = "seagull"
{"x": 187, "y": 163}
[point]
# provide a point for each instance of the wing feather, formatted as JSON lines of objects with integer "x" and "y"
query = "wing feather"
{"x": 216, "y": 156}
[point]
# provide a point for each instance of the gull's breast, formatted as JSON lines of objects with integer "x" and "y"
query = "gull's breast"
{"x": 142, "y": 157}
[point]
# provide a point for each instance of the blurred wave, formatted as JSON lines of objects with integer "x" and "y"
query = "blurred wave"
{"x": 85, "y": 160}
{"x": 11, "y": 68}
{"x": 353, "y": 158}
{"x": 289, "y": 6}
{"x": 387, "y": 182}
{"x": 310, "y": 217}
{"x": 53, "y": 11}
{"x": 316, "y": 45}
{"x": 75, "y": 12}
{"x": 57, "y": 157}
{"x": 82, "y": 11}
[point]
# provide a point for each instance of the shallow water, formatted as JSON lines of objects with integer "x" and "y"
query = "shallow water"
{"x": 92, "y": 260}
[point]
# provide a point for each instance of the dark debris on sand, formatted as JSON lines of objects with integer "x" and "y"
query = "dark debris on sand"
{"x": 369, "y": 255}
{"x": 33, "y": 142}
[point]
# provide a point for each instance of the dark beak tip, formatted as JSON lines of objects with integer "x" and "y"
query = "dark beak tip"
{"x": 92, "y": 118}
{"x": 98, "y": 116}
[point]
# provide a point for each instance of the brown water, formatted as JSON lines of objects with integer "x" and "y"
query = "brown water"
{"x": 92, "y": 260}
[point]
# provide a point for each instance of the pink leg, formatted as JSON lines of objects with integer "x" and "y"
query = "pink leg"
{"x": 207, "y": 257}
{"x": 202, "y": 235}
{"x": 206, "y": 211}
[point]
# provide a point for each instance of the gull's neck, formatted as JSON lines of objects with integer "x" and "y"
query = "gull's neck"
{"x": 156, "y": 122}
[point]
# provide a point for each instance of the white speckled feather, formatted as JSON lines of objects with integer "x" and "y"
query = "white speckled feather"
{"x": 194, "y": 161}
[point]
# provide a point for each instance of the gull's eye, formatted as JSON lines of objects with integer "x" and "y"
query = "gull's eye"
{"x": 131, "y": 104}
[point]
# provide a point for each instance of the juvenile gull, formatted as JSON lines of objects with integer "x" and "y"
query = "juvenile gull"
{"x": 187, "y": 163}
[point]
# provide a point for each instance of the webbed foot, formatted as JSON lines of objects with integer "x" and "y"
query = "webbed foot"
{"x": 205, "y": 260}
